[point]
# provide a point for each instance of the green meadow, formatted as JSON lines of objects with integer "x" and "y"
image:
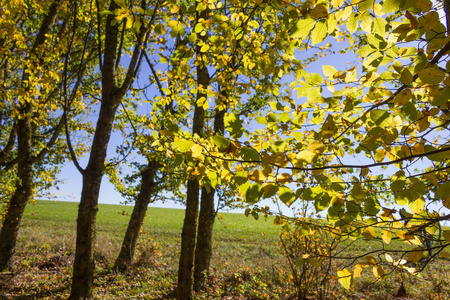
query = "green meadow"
{"x": 248, "y": 260}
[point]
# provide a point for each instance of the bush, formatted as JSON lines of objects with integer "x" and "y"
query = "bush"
{"x": 309, "y": 251}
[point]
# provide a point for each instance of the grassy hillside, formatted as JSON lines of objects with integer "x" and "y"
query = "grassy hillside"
{"x": 247, "y": 263}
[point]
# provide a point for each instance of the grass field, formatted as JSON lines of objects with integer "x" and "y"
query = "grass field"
{"x": 247, "y": 263}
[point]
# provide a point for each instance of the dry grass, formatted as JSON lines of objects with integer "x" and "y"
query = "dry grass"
{"x": 247, "y": 263}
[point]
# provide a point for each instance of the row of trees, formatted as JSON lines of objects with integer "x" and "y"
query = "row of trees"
{"x": 202, "y": 92}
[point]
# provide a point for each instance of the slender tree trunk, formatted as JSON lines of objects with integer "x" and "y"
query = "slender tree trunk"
{"x": 189, "y": 232}
{"x": 83, "y": 268}
{"x": 22, "y": 193}
{"x": 125, "y": 258}
{"x": 203, "y": 250}
{"x": 24, "y": 184}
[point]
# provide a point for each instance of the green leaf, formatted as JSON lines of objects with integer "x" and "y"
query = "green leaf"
{"x": 307, "y": 156}
{"x": 302, "y": 28}
{"x": 249, "y": 154}
{"x": 234, "y": 125}
{"x": 365, "y": 5}
{"x": 352, "y": 22}
{"x": 345, "y": 278}
{"x": 253, "y": 193}
{"x": 390, "y": 6}
{"x": 182, "y": 145}
{"x": 379, "y": 27}
{"x": 329, "y": 71}
{"x": 431, "y": 75}
{"x": 221, "y": 142}
{"x": 286, "y": 195}
{"x": 319, "y": 33}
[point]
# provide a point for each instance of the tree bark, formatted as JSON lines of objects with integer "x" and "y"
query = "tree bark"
{"x": 189, "y": 232}
{"x": 125, "y": 258}
{"x": 22, "y": 193}
{"x": 83, "y": 268}
{"x": 203, "y": 250}
{"x": 24, "y": 184}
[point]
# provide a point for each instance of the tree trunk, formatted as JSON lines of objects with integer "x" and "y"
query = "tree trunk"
{"x": 203, "y": 250}
{"x": 24, "y": 183}
{"x": 125, "y": 258}
{"x": 188, "y": 235}
{"x": 83, "y": 268}
{"x": 22, "y": 193}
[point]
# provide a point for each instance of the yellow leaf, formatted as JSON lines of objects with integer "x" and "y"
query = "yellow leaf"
{"x": 345, "y": 278}
{"x": 357, "y": 271}
{"x": 196, "y": 150}
{"x": 432, "y": 178}
{"x": 369, "y": 233}
{"x": 284, "y": 178}
{"x": 423, "y": 124}
{"x": 378, "y": 271}
{"x": 415, "y": 255}
{"x": 257, "y": 176}
{"x": 424, "y": 5}
{"x": 417, "y": 206}
{"x": 306, "y": 156}
{"x": 386, "y": 236}
{"x": 403, "y": 97}
{"x": 371, "y": 260}
{"x": 444, "y": 254}
{"x": 388, "y": 258}
{"x": 317, "y": 147}
{"x": 319, "y": 11}
{"x": 446, "y": 235}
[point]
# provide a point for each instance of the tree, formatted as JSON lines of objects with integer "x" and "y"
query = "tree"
{"x": 131, "y": 38}
{"x": 389, "y": 113}
{"x": 32, "y": 86}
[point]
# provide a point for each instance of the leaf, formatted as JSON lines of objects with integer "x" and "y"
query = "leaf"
{"x": 369, "y": 233}
{"x": 249, "y": 154}
{"x": 182, "y": 145}
{"x": 319, "y": 33}
{"x": 257, "y": 176}
{"x": 403, "y": 97}
{"x": 424, "y": 5}
{"x": 345, "y": 278}
{"x": 417, "y": 206}
{"x": 379, "y": 27}
{"x": 446, "y": 235}
{"x": 386, "y": 236}
{"x": 121, "y": 3}
{"x": 307, "y": 156}
{"x": 378, "y": 271}
{"x": 390, "y": 6}
{"x": 364, "y": 5}
{"x": 302, "y": 28}
{"x": 357, "y": 271}
{"x": 253, "y": 193}
{"x": 221, "y": 142}
{"x": 415, "y": 254}
{"x": 319, "y": 11}
{"x": 196, "y": 150}
{"x": 233, "y": 124}
{"x": 352, "y": 22}
{"x": 431, "y": 75}
{"x": 329, "y": 71}
{"x": 286, "y": 195}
